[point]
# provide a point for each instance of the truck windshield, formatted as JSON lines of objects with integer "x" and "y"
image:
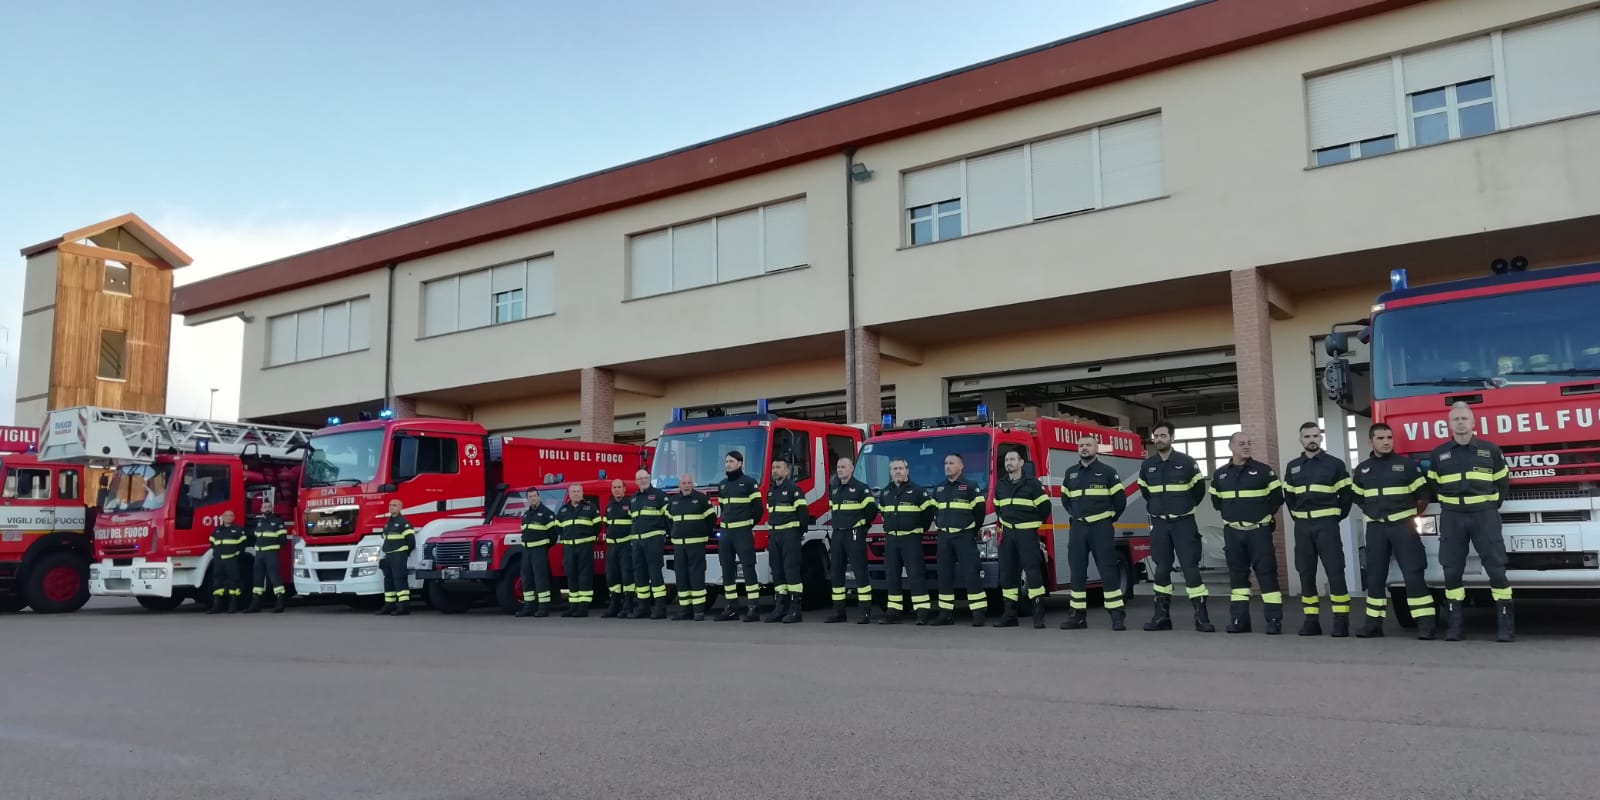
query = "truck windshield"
{"x": 138, "y": 487}
{"x": 517, "y": 502}
{"x": 924, "y": 456}
{"x": 700, "y": 454}
{"x": 1541, "y": 336}
{"x": 344, "y": 458}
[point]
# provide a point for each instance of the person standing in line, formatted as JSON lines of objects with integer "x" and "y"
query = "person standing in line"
{"x": 960, "y": 508}
{"x": 579, "y": 521}
{"x": 1172, "y": 486}
{"x": 1393, "y": 491}
{"x": 907, "y": 512}
{"x": 270, "y": 535}
{"x": 788, "y": 519}
{"x": 399, "y": 539}
{"x": 1471, "y": 480}
{"x": 649, "y": 509}
{"x": 1023, "y": 506}
{"x": 538, "y": 535}
{"x": 1095, "y": 499}
{"x": 1249, "y": 494}
{"x": 740, "y": 506}
{"x": 618, "y": 519}
{"x": 1317, "y": 492}
{"x": 851, "y": 510}
{"x": 227, "y": 545}
{"x": 693, "y": 519}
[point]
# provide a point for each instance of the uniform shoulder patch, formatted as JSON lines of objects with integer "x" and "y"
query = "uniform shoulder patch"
{"x": 1397, "y": 468}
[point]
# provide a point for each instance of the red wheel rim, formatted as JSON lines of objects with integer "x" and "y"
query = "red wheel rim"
{"x": 61, "y": 584}
{"x": 516, "y": 588}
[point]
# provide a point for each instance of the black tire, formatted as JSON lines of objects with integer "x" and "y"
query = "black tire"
{"x": 818, "y": 592}
{"x": 506, "y": 595}
{"x": 162, "y": 604}
{"x": 11, "y": 602}
{"x": 1402, "y": 608}
{"x": 57, "y": 583}
{"x": 443, "y": 601}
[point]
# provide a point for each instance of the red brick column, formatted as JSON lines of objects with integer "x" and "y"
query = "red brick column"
{"x": 862, "y": 366}
{"x": 403, "y": 407}
{"x": 597, "y": 420}
{"x": 1258, "y": 408}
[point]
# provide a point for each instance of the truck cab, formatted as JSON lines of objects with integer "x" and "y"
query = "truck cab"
{"x": 44, "y": 552}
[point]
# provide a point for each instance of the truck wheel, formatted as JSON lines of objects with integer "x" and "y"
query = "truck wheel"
{"x": 1402, "y": 608}
{"x": 818, "y": 592}
{"x": 508, "y": 592}
{"x": 57, "y": 584}
{"x": 11, "y": 602}
{"x": 443, "y": 601}
{"x": 151, "y": 603}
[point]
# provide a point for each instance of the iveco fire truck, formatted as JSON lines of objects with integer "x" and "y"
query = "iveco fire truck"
{"x": 697, "y": 446}
{"x": 173, "y": 479}
{"x": 1048, "y": 447}
{"x": 44, "y": 552}
{"x": 1522, "y": 349}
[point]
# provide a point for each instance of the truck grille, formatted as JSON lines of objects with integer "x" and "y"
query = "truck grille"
{"x": 1570, "y": 491}
{"x": 452, "y": 554}
{"x": 330, "y": 523}
{"x": 330, "y": 575}
{"x": 1563, "y": 516}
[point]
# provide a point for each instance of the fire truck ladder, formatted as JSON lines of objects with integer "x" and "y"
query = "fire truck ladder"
{"x": 95, "y": 436}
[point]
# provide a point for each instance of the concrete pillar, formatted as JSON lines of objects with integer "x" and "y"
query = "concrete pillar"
{"x": 403, "y": 407}
{"x": 1258, "y": 409}
{"x": 597, "y": 420}
{"x": 866, "y": 402}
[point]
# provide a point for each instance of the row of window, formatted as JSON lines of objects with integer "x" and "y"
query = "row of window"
{"x": 717, "y": 250}
{"x": 1505, "y": 79}
{"x": 342, "y": 327}
{"x": 493, "y": 296}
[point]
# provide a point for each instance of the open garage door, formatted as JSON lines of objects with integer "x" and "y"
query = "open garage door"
{"x": 824, "y": 407}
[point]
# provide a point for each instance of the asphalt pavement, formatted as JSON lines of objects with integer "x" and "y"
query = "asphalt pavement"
{"x": 325, "y": 702}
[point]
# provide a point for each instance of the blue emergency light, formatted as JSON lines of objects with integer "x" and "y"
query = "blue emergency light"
{"x": 202, "y": 446}
{"x": 888, "y": 420}
{"x": 333, "y": 421}
{"x": 1397, "y": 279}
{"x": 761, "y": 406}
{"x": 983, "y": 411}
{"x": 677, "y": 415}
{"x": 387, "y": 413}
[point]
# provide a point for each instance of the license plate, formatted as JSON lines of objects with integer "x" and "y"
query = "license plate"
{"x": 114, "y": 574}
{"x": 479, "y": 566}
{"x": 328, "y": 588}
{"x": 452, "y": 573}
{"x": 1526, "y": 544}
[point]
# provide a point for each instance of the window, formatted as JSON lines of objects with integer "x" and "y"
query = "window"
{"x": 68, "y": 485}
{"x": 205, "y": 485}
{"x": 795, "y": 446}
{"x": 118, "y": 278}
{"x": 27, "y": 484}
{"x": 1452, "y": 112}
{"x": 423, "y": 455}
{"x": 113, "y": 355}
{"x": 1347, "y": 152}
{"x": 1107, "y": 166}
{"x": 724, "y": 248}
{"x": 839, "y": 447}
{"x": 329, "y": 330}
{"x": 494, "y": 296}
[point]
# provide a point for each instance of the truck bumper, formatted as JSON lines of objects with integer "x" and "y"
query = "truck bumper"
{"x": 1539, "y": 556}
{"x": 329, "y": 570}
{"x": 141, "y": 578}
{"x": 457, "y": 578}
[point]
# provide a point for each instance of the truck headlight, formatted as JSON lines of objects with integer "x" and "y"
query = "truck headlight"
{"x": 427, "y": 551}
{"x": 485, "y": 550}
{"x": 988, "y": 544}
{"x": 1428, "y": 526}
{"x": 368, "y": 554}
{"x": 299, "y": 557}
{"x": 362, "y": 572}
{"x": 152, "y": 573}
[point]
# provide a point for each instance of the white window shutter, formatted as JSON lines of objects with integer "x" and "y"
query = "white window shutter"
{"x": 280, "y": 339}
{"x": 510, "y": 277}
{"x": 1553, "y": 68}
{"x": 360, "y": 323}
{"x": 784, "y": 235}
{"x": 474, "y": 307}
{"x": 439, "y": 300}
{"x": 693, "y": 248}
{"x": 1063, "y": 175}
{"x": 336, "y": 329}
{"x": 1130, "y": 161}
{"x": 996, "y": 191}
{"x": 1352, "y": 105}
{"x": 540, "y": 297}
{"x": 650, "y": 264}
{"x": 933, "y": 184}
{"x": 739, "y": 245}
{"x": 308, "y": 335}
{"x": 1447, "y": 65}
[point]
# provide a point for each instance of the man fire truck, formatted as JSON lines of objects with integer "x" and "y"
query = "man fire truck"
{"x": 1522, "y": 350}
{"x": 173, "y": 479}
{"x": 44, "y": 552}
{"x": 697, "y": 447}
{"x": 1047, "y": 447}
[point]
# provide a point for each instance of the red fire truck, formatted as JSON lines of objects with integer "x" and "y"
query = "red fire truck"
{"x": 1523, "y": 350}
{"x": 1048, "y": 447}
{"x": 172, "y": 480}
{"x": 697, "y": 446}
{"x": 44, "y": 554}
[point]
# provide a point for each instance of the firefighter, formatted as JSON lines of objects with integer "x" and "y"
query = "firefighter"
{"x": 1094, "y": 498}
{"x": 1023, "y": 506}
{"x": 1248, "y": 493}
{"x": 959, "y": 511}
{"x": 270, "y": 535}
{"x": 1470, "y": 478}
{"x": 538, "y": 534}
{"x": 619, "y": 553}
{"x": 579, "y": 521}
{"x": 692, "y": 518}
{"x": 1393, "y": 490}
{"x": 1317, "y": 492}
{"x": 649, "y": 509}
{"x": 399, "y": 539}
{"x": 907, "y": 511}
{"x": 788, "y": 519}
{"x": 227, "y": 545}
{"x": 740, "y": 505}
{"x": 1172, "y": 486}
{"x": 852, "y": 508}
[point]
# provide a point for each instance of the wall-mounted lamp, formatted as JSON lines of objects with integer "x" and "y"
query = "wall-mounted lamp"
{"x": 859, "y": 172}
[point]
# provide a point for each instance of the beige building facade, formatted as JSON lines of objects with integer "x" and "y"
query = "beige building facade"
{"x": 1158, "y": 220}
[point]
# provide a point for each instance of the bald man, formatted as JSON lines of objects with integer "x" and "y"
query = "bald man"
{"x": 1471, "y": 480}
{"x": 649, "y": 509}
{"x": 692, "y": 518}
{"x": 1249, "y": 494}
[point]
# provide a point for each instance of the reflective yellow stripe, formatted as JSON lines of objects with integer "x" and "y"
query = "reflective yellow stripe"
{"x": 739, "y": 500}
{"x": 695, "y": 540}
{"x": 1100, "y": 516}
{"x": 964, "y": 505}
{"x": 1021, "y": 525}
{"x": 1473, "y": 499}
{"x": 850, "y": 506}
{"x": 743, "y": 523}
{"x": 1318, "y": 513}
{"x": 786, "y": 526}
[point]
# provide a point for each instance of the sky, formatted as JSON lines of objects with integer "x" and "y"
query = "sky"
{"x": 246, "y": 132}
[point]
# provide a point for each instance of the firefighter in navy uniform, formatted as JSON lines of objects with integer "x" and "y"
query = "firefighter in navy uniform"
{"x": 907, "y": 511}
{"x": 227, "y": 546}
{"x": 851, "y": 510}
{"x": 649, "y": 509}
{"x": 1248, "y": 493}
{"x": 788, "y": 519}
{"x": 1470, "y": 478}
{"x": 693, "y": 519}
{"x": 538, "y": 534}
{"x": 1316, "y": 487}
{"x": 1095, "y": 499}
{"x": 1173, "y": 486}
{"x": 960, "y": 509}
{"x": 399, "y": 539}
{"x": 740, "y": 505}
{"x": 579, "y": 521}
{"x": 1393, "y": 489}
{"x": 619, "y": 552}
{"x": 1023, "y": 506}
{"x": 271, "y": 535}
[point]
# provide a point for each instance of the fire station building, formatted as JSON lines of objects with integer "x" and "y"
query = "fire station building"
{"x": 1155, "y": 220}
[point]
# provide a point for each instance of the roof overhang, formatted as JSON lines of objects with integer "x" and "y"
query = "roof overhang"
{"x": 126, "y": 233}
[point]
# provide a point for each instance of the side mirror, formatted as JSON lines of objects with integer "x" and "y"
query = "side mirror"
{"x": 1337, "y": 344}
{"x": 387, "y": 487}
{"x": 1336, "y": 380}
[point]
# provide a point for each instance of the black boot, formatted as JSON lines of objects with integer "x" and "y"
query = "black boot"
{"x": 1452, "y": 620}
{"x": 582, "y": 610}
{"x": 780, "y": 609}
{"x": 1008, "y": 617}
{"x": 1038, "y": 613}
{"x": 401, "y": 609}
{"x": 1119, "y": 619}
{"x": 625, "y": 611}
{"x": 1273, "y": 614}
{"x": 641, "y": 608}
{"x": 922, "y": 617}
{"x": 1372, "y": 628}
{"x": 1161, "y": 617}
{"x": 613, "y": 607}
{"x": 732, "y": 610}
{"x": 525, "y": 611}
{"x": 277, "y": 603}
{"x": 1427, "y": 627}
{"x": 794, "y": 611}
{"x": 1202, "y": 615}
{"x": 889, "y": 617}
{"x": 944, "y": 618}
{"x": 1239, "y": 616}
{"x": 236, "y": 604}
{"x": 978, "y": 618}
{"x": 699, "y": 614}
{"x": 838, "y": 613}
{"x": 1076, "y": 620}
{"x": 541, "y": 610}
{"x": 750, "y": 613}
{"x": 1311, "y": 626}
{"x": 685, "y": 612}
{"x": 1341, "y": 625}
{"x": 219, "y": 604}
{"x": 1506, "y": 627}
{"x": 255, "y": 605}
{"x": 864, "y": 616}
